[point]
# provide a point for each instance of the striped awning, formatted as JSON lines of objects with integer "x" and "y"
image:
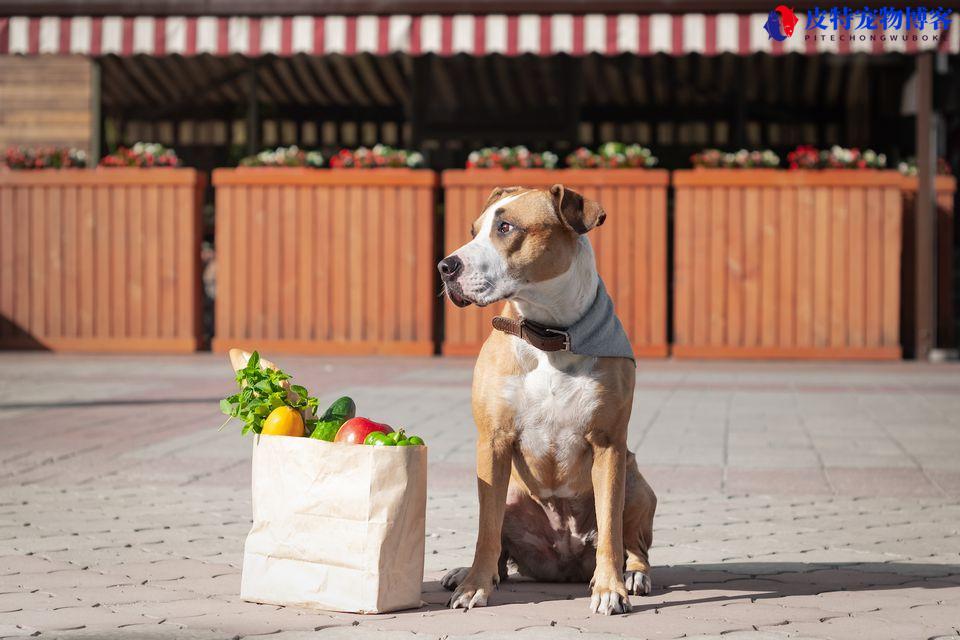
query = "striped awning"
{"x": 708, "y": 34}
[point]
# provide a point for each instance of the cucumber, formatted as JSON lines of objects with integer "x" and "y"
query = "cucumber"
{"x": 333, "y": 418}
{"x": 342, "y": 409}
{"x": 326, "y": 430}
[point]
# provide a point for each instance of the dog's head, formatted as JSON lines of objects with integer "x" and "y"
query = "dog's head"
{"x": 523, "y": 236}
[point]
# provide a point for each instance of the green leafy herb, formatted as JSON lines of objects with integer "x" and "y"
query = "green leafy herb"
{"x": 262, "y": 391}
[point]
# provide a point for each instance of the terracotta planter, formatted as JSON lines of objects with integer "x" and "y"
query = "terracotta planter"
{"x": 631, "y": 246}
{"x": 325, "y": 261}
{"x": 946, "y": 187}
{"x": 100, "y": 260}
{"x": 787, "y": 264}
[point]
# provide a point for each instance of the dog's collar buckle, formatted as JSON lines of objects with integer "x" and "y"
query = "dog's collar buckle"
{"x": 565, "y": 335}
{"x": 537, "y": 335}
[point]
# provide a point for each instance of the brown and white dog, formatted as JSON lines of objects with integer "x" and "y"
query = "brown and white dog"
{"x": 560, "y": 495}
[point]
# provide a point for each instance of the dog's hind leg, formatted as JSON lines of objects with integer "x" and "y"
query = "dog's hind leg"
{"x": 502, "y": 568}
{"x": 640, "y": 503}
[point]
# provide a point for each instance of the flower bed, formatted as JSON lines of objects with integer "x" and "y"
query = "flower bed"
{"x": 100, "y": 260}
{"x": 145, "y": 155}
{"x": 511, "y": 158}
{"x": 631, "y": 246}
{"x": 284, "y": 157}
{"x": 807, "y": 157}
{"x": 612, "y": 155}
{"x": 26, "y": 158}
{"x": 325, "y": 261}
{"x": 742, "y": 159}
{"x": 377, "y": 157}
{"x": 787, "y": 264}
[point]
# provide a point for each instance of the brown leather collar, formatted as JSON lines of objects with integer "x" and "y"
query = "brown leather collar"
{"x": 540, "y": 336}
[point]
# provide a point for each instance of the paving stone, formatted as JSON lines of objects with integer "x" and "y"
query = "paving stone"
{"x": 67, "y": 618}
{"x": 126, "y": 594}
{"x": 16, "y": 631}
{"x": 817, "y": 501}
{"x": 351, "y": 632}
{"x": 143, "y": 632}
{"x": 61, "y": 579}
{"x": 17, "y": 601}
{"x": 750, "y": 635}
{"x": 850, "y": 628}
{"x": 536, "y": 632}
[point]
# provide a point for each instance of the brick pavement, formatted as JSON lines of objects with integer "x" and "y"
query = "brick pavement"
{"x": 797, "y": 500}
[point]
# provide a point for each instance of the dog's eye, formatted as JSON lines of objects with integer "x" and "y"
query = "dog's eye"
{"x": 504, "y": 228}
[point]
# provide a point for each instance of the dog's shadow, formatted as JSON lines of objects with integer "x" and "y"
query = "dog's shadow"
{"x": 515, "y": 590}
{"x": 750, "y": 581}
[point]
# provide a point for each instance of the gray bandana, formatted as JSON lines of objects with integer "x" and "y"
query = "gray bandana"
{"x": 599, "y": 332}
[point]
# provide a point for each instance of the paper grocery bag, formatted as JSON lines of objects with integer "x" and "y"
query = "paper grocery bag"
{"x": 336, "y": 526}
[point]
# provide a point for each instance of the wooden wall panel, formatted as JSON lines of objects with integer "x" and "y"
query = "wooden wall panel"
{"x": 100, "y": 260}
{"x": 776, "y": 264}
{"x": 325, "y": 261}
{"x": 630, "y": 247}
{"x": 45, "y": 101}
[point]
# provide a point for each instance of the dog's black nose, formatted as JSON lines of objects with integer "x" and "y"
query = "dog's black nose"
{"x": 450, "y": 267}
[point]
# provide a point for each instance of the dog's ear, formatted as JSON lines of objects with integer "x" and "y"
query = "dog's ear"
{"x": 575, "y": 211}
{"x": 499, "y": 192}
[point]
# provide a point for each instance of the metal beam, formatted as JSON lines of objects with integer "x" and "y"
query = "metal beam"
{"x": 253, "y": 112}
{"x": 96, "y": 114}
{"x": 926, "y": 235}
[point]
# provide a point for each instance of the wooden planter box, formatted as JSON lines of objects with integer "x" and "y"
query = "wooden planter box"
{"x": 631, "y": 246}
{"x": 325, "y": 261}
{"x": 946, "y": 187}
{"x": 787, "y": 264}
{"x": 100, "y": 260}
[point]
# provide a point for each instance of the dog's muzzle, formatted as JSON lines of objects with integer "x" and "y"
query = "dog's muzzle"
{"x": 450, "y": 269}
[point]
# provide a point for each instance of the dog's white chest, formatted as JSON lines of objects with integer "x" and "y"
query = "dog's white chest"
{"x": 554, "y": 404}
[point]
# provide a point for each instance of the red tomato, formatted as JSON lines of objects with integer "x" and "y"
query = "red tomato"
{"x": 356, "y": 430}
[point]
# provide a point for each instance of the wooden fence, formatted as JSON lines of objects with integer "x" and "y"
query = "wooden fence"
{"x": 101, "y": 260}
{"x": 325, "y": 261}
{"x": 631, "y": 246}
{"x": 787, "y": 264}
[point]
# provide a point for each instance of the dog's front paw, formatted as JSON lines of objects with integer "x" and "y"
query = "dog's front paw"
{"x": 470, "y": 593}
{"x": 454, "y": 577}
{"x": 609, "y": 597}
{"x": 638, "y": 583}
